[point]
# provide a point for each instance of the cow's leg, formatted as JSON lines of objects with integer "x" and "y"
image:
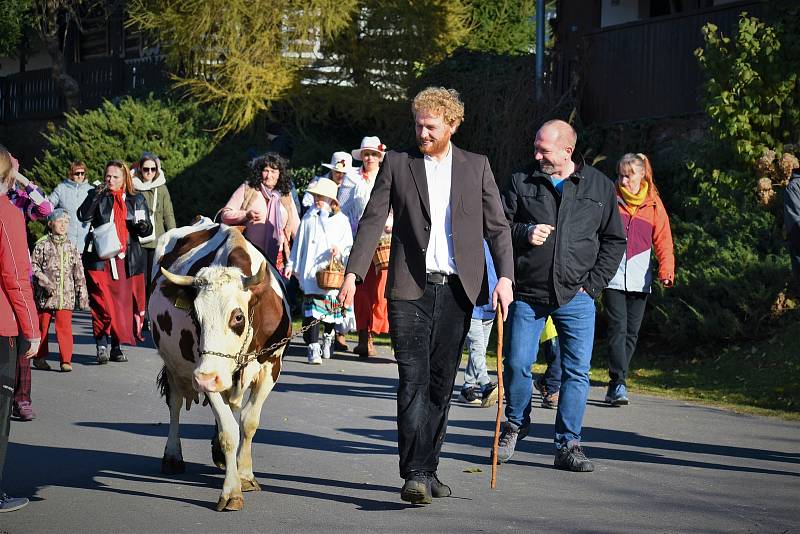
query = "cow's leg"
{"x": 251, "y": 416}
{"x": 172, "y": 462}
{"x": 216, "y": 451}
{"x": 231, "y": 497}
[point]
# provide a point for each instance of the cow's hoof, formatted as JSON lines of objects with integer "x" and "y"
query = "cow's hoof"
{"x": 250, "y": 484}
{"x": 231, "y": 504}
{"x": 172, "y": 466}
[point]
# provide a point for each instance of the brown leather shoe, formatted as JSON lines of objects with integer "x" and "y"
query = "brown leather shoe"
{"x": 370, "y": 347}
{"x": 41, "y": 364}
{"x": 340, "y": 343}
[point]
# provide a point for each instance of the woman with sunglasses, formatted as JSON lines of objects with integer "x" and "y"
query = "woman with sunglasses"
{"x": 69, "y": 195}
{"x": 149, "y": 181}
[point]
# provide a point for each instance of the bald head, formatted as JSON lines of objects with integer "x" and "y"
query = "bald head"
{"x": 560, "y": 132}
{"x": 554, "y": 144}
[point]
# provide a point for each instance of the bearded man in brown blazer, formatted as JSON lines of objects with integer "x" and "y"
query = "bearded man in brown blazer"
{"x": 445, "y": 202}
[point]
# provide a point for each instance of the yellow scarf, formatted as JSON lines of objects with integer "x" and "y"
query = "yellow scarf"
{"x": 633, "y": 201}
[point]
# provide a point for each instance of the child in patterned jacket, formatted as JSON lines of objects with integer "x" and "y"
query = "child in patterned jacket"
{"x": 59, "y": 285}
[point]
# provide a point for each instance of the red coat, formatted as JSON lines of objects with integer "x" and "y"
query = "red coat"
{"x": 17, "y": 307}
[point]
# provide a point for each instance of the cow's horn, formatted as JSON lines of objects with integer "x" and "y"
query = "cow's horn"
{"x": 177, "y": 279}
{"x": 250, "y": 281}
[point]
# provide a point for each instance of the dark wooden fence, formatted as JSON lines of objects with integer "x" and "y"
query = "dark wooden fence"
{"x": 647, "y": 69}
{"x": 34, "y": 94}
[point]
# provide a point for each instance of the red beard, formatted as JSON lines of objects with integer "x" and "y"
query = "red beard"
{"x": 437, "y": 146}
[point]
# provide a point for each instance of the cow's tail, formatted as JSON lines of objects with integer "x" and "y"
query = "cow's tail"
{"x": 163, "y": 383}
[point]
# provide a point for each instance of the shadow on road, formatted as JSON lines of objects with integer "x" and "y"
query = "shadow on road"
{"x": 97, "y": 470}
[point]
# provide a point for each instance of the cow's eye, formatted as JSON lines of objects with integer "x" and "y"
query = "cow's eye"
{"x": 239, "y": 317}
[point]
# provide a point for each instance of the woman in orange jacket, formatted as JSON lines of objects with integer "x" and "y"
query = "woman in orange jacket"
{"x": 647, "y": 229}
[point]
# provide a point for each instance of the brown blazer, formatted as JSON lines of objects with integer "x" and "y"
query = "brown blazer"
{"x": 476, "y": 213}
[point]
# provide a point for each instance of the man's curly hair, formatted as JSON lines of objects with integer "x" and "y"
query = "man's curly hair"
{"x": 442, "y": 102}
{"x": 274, "y": 161}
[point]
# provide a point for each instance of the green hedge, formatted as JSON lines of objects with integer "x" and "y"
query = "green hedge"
{"x": 201, "y": 173}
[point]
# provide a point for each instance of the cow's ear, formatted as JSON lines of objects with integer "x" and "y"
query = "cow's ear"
{"x": 181, "y": 297}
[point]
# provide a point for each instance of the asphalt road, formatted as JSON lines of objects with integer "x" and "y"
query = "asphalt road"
{"x": 325, "y": 456}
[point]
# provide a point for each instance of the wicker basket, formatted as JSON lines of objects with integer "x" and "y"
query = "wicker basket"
{"x": 381, "y": 258}
{"x": 330, "y": 277}
{"x": 327, "y": 279}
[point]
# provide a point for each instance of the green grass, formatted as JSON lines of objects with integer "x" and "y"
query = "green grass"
{"x": 760, "y": 378}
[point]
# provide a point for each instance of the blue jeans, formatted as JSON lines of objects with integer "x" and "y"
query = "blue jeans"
{"x": 574, "y": 322}
{"x": 475, "y": 374}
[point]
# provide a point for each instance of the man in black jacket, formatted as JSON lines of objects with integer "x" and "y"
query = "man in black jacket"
{"x": 568, "y": 241}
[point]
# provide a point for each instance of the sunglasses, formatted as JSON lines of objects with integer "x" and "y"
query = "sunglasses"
{"x": 79, "y": 173}
{"x": 149, "y": 169}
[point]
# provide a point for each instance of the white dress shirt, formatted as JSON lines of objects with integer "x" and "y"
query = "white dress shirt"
{"x": 439, "y": 255}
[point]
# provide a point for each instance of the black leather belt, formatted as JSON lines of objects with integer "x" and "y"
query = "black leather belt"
{"x": 440, "y": 278}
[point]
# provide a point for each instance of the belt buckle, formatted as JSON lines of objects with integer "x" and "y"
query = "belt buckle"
{"x": 437, "y": 278}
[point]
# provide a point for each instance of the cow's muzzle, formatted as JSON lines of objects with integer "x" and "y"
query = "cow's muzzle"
{"x": 208, "y": 382}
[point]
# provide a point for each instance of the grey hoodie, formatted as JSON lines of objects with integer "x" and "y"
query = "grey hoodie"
{"x": 70, "y": 195}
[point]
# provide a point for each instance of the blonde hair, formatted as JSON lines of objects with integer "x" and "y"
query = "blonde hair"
{"x": 442, "y": 102}
{"x": 641, "y": 162}
{"x": 126, "y": 174}
{"x": 5, "y": 169}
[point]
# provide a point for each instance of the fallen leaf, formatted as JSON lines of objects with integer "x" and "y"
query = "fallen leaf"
{"x": 473, "y": 470}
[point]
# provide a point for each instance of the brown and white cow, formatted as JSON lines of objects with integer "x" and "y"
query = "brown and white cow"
{"x": 214, "y": 293}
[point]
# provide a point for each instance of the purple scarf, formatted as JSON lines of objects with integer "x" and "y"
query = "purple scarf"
{"x": 274, "y": 234}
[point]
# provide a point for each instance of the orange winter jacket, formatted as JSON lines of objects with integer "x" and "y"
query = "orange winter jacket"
{"x": 647, "y": 228}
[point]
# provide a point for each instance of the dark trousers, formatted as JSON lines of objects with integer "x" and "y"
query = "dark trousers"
{"x": 794, "y": 254}
{"x": 8, "y": 371}
{"x": 22, "y": 387}
{"x": 551, "y": 352}
{"x": 625, "y": 310}
{"x": 312, "y": 334}
{"x": 427, "y": 336}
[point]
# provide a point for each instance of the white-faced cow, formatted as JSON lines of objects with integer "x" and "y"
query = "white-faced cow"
{"x": 217, "y": 303}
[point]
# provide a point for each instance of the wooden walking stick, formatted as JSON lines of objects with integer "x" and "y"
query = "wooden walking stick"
{"x": 500, "y": 392}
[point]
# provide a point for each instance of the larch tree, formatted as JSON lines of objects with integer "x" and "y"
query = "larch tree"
{"x": 239, "y": 55}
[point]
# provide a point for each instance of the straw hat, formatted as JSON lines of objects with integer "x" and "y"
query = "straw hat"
{"x": 369, "y": 143}
{"x": 340, "y": 162}
{"x": 324, "y": 187}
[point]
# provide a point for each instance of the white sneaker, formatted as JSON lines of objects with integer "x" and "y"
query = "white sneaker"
{"x": 327, "y": 344}
{"x": 314, "y": 354}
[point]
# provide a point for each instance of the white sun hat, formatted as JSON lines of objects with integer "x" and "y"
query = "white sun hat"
{"x": 369, "y": 143}
{"x": 340, "y": 162}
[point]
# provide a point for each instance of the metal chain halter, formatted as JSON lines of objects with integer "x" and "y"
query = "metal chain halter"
{"x": 244, "y": 358}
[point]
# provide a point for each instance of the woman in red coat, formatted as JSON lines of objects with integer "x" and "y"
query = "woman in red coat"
{"x": 111, "y": 281}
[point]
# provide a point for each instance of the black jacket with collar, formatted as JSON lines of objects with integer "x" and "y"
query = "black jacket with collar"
{"x": 97, "y": 210}
{"x": 584, "y": 249}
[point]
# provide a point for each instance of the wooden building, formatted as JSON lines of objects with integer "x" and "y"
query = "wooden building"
{"x": 635, "y": 58}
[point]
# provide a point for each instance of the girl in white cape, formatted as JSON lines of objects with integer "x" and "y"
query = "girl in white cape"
{"x": 324, "y": 231}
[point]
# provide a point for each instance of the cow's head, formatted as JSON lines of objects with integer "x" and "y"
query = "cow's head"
{"x": 221, "y": 307}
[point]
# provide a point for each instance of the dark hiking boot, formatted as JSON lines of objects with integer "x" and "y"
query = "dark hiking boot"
{"x": 417, "y": 489}
{"x": 572, "y": 458}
